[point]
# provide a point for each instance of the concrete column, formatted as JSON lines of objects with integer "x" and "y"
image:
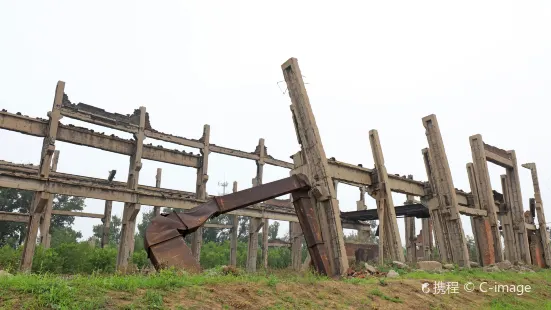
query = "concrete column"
{"x": 255, "y": 223}
{"x": 131, "y": 210}
{"x": 426, "y": 233}
{"x": 431, "y": 201}
{"x": 313, "y": 158}
{"x": 157, "y": 210}
{"x": 254, "y": 227}
{"x": 233, "y": 236}
{"x": 411, "y": 238}
{"x": 447, "y": 197}
{"x": 265, "y": 231}
{"x": 517, "y": 209}
{"x": 363, "y": 235}
{"x": 486, "y": 201}
{"x": 295, "y": 236}
{"x": 201, "y": 190}
{"x": 47, "y": 217}
{"x": 106, "y": 220}
{"x": 542, "y": 224}
{"x": 40, "y": 199}
{"x": 391, "y": 245}
{"x": 483, "y": 231}
{"x": 511, "y": 251}
{"x": 106, "y": 223}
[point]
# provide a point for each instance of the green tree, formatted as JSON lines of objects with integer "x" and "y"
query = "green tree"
{"x": 273, "y": 230}
{"x": 114, "y": 231}
{"x": 13, "y": 200}
{"x": 471, "y": 246}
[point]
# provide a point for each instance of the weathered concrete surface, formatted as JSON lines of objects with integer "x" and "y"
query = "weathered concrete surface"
{"x": 327, "y": 206}
{"x": 41, "y": 198}
{"x": 486, "y": 201}
{"x": 447, "y": 199}
{"x": 542, "y": 224}
{"x": 131, "y": 210}
{"x": 390, "y": 245}
{"x": 482, "y": 230}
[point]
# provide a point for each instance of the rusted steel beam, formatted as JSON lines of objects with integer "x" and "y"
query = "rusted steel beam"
{"x": 164, "y": 240}
{"x": 312, "y": 232}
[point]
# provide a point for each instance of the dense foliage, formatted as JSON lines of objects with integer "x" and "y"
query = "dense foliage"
{"x": 84, "y": 258}
{"x": 13, "y": 234}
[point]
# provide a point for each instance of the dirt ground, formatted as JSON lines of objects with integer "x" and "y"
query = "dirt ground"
{"x": 390, "y": 294}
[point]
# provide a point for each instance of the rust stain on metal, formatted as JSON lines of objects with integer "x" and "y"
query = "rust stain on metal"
{"x": 164, "y": 237}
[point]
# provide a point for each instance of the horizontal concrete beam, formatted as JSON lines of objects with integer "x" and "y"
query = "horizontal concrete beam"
{"x": 25, "y": 178}
{"x": 78, "y": 214}
{"x": 530, "y": 226}
{"x": 361, "y": 176}
{"x": 13, "y": 217}
{"x": 279, "y": 245}
{"x": 498, "y": 156}
{"x": 85, "y": 137}
{"x": 219, "y": 226}
{"x": 100, "y": 120}
{"x": 472, "y": 211}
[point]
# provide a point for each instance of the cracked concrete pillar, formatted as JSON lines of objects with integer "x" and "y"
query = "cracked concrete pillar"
{"x": 426, "y": 230}
{"x": 431, "y": 201}
{"x": 254, "y": 226}
{"x": 411, "y": 238}
{"x": 313, "y": 156}
{"x": 261, "y": 150}
{"x": 131, "y": 210}
{"x": 542, "y": 224}
{"x": 295, "y": 237}
{"x": 447, "y": 207}
{"x": 45, "y": 222}
{"x": 363, "y": 235}
{"x": 486, "y": 202}
{"x": 157, "y": 210}
{"x": 201, "y": 189}
{"x": 106, "y": 223}
{"x": 388, "y": 224}
{"x": 483, "y": 231}
{"x": 256, "y": 223}
{"x": 40, "y": 199}
{"x": 233, "y": 233}
{"x": 106, "y": 220}
{"x": 517, "y": 210}
{"x": 511, "y": 250}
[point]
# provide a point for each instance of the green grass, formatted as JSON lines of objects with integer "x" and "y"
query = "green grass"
{"x": 24, "y": 291}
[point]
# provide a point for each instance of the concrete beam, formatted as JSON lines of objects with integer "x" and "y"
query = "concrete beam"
{"x": 360, "y": 176}
{"x": 85, "y": 137}
{"x": 497, "y": 156}
{"x": 66, "y": 184}
{"x": 98, "y": 119}
{"x": 14, "y": 217}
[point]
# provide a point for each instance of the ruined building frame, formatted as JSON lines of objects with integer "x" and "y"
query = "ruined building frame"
{"x": 438, "y": 194}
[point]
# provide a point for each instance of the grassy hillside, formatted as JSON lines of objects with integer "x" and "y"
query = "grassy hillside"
{"x": 214, "y": 290}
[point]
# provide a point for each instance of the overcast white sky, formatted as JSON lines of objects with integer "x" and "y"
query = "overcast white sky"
{"x": 480, "y": 66}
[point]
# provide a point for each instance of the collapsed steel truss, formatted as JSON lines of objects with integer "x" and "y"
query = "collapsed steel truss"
{"x": 444, "y": 202}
